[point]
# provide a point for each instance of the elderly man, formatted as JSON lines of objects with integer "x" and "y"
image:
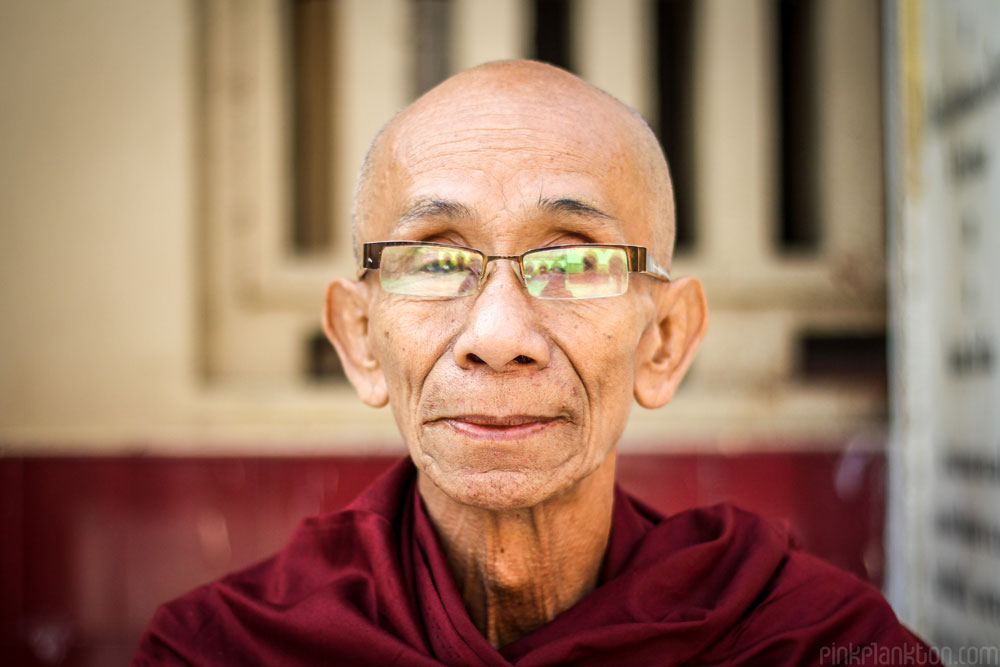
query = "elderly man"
{"x": 513, "y": 227}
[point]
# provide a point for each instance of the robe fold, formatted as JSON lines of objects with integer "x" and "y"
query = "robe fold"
{"x": 370, "y": 585}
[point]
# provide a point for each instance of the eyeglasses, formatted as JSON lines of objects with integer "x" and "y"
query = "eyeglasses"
{"x": 444, "y": 271}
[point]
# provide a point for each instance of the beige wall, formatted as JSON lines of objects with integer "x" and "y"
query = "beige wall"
{"x": 148, "y": 303}
{"x": 96, "y": 215}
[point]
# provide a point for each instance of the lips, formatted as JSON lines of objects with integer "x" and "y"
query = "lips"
{"x": 493, "y": 427}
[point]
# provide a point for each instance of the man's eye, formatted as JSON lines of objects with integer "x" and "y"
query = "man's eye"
{"x": 442, "y": 266}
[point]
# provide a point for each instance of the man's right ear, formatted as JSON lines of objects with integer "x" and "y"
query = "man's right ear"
{"x": 345, "y": 321}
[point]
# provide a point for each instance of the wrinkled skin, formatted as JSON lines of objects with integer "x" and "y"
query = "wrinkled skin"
{"x": 512, "y": 406}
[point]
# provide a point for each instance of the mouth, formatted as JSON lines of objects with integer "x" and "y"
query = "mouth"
{"x": 489, "y": 427}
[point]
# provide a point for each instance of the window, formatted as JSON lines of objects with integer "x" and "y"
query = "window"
{"x": 432, "y": 40}
{"x": 552, "y": 36}
{"x": 674, "y": 93}
{"x": 309, "y": 33}
{"x": 797, "y": 116}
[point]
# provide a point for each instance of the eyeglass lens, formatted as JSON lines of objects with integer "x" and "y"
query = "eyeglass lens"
{"x": 574, "y": 272}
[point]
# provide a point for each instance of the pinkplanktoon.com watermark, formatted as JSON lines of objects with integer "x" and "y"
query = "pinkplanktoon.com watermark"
{"x": 876, "y": 654}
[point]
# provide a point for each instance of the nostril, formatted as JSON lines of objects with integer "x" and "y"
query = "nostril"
{"x": 521, "y": 359}
{"x": 474, "y": 359}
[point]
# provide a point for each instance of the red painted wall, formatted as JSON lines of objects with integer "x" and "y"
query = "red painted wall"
{"x": 89, "y": 547}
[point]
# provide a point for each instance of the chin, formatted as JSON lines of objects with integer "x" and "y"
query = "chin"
{"x": 498, "y": 490}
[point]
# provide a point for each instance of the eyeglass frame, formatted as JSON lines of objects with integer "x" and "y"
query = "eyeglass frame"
{"x": 637, "y": 258}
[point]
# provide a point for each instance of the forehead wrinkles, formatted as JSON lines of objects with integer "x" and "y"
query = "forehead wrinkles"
{"x": 485, "y": 147}
{"x": 576, "y": 124}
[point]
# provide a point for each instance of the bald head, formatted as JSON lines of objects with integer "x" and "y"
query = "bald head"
{"x": 498, "y": 109}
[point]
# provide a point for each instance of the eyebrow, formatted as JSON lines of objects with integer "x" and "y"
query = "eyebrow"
{"x": 431, "y": 207}
{"x": 570, "y": 205}
{"x": 434, "y": 207}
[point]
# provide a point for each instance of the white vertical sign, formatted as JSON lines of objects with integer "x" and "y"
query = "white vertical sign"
{"x": 943, "y": 120}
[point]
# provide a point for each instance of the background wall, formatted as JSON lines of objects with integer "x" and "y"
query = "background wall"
{"x": 174, "y": 190}
{"x": 165, "y": 254}
{"x": 97, "y": 219}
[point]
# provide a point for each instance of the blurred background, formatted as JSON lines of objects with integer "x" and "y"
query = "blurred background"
{"x": 175, "y": 183}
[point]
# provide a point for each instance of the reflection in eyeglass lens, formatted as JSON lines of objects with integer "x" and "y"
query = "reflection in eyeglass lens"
{"x": 576, "y": 273}
{"x": 430, "y": 271}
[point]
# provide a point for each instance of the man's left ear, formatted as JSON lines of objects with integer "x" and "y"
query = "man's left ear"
{"x": 668, "y": 344}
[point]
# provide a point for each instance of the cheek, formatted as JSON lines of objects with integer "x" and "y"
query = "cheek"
{"x": 600, "y": 342}
{"x": 408, "y": 340}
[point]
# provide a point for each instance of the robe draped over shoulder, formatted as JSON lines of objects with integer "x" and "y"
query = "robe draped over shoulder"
{"x": 370, "y": 585}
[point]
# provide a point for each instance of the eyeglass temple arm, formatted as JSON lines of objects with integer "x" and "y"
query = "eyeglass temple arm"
{"x": 654, "y": 269}
{"x": 641, "y": 261}
{"x": 371, "y": 254}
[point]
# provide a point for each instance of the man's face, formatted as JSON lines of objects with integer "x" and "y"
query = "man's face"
{"x": 505, "y": 400}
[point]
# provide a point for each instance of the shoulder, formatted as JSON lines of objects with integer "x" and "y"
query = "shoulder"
{"x": 811, "y": 612}
{"x": 224, "y": 621}
{"x": 334, "y": 565}
{"x": 735, "y": 589}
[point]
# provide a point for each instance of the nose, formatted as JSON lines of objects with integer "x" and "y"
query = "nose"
{"x": 501, "y": 330}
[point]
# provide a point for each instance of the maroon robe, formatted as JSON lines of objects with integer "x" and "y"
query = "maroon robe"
{"x": 370, "y": 585}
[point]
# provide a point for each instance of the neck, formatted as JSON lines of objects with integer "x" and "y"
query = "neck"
{"x": 518, "y": 569}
